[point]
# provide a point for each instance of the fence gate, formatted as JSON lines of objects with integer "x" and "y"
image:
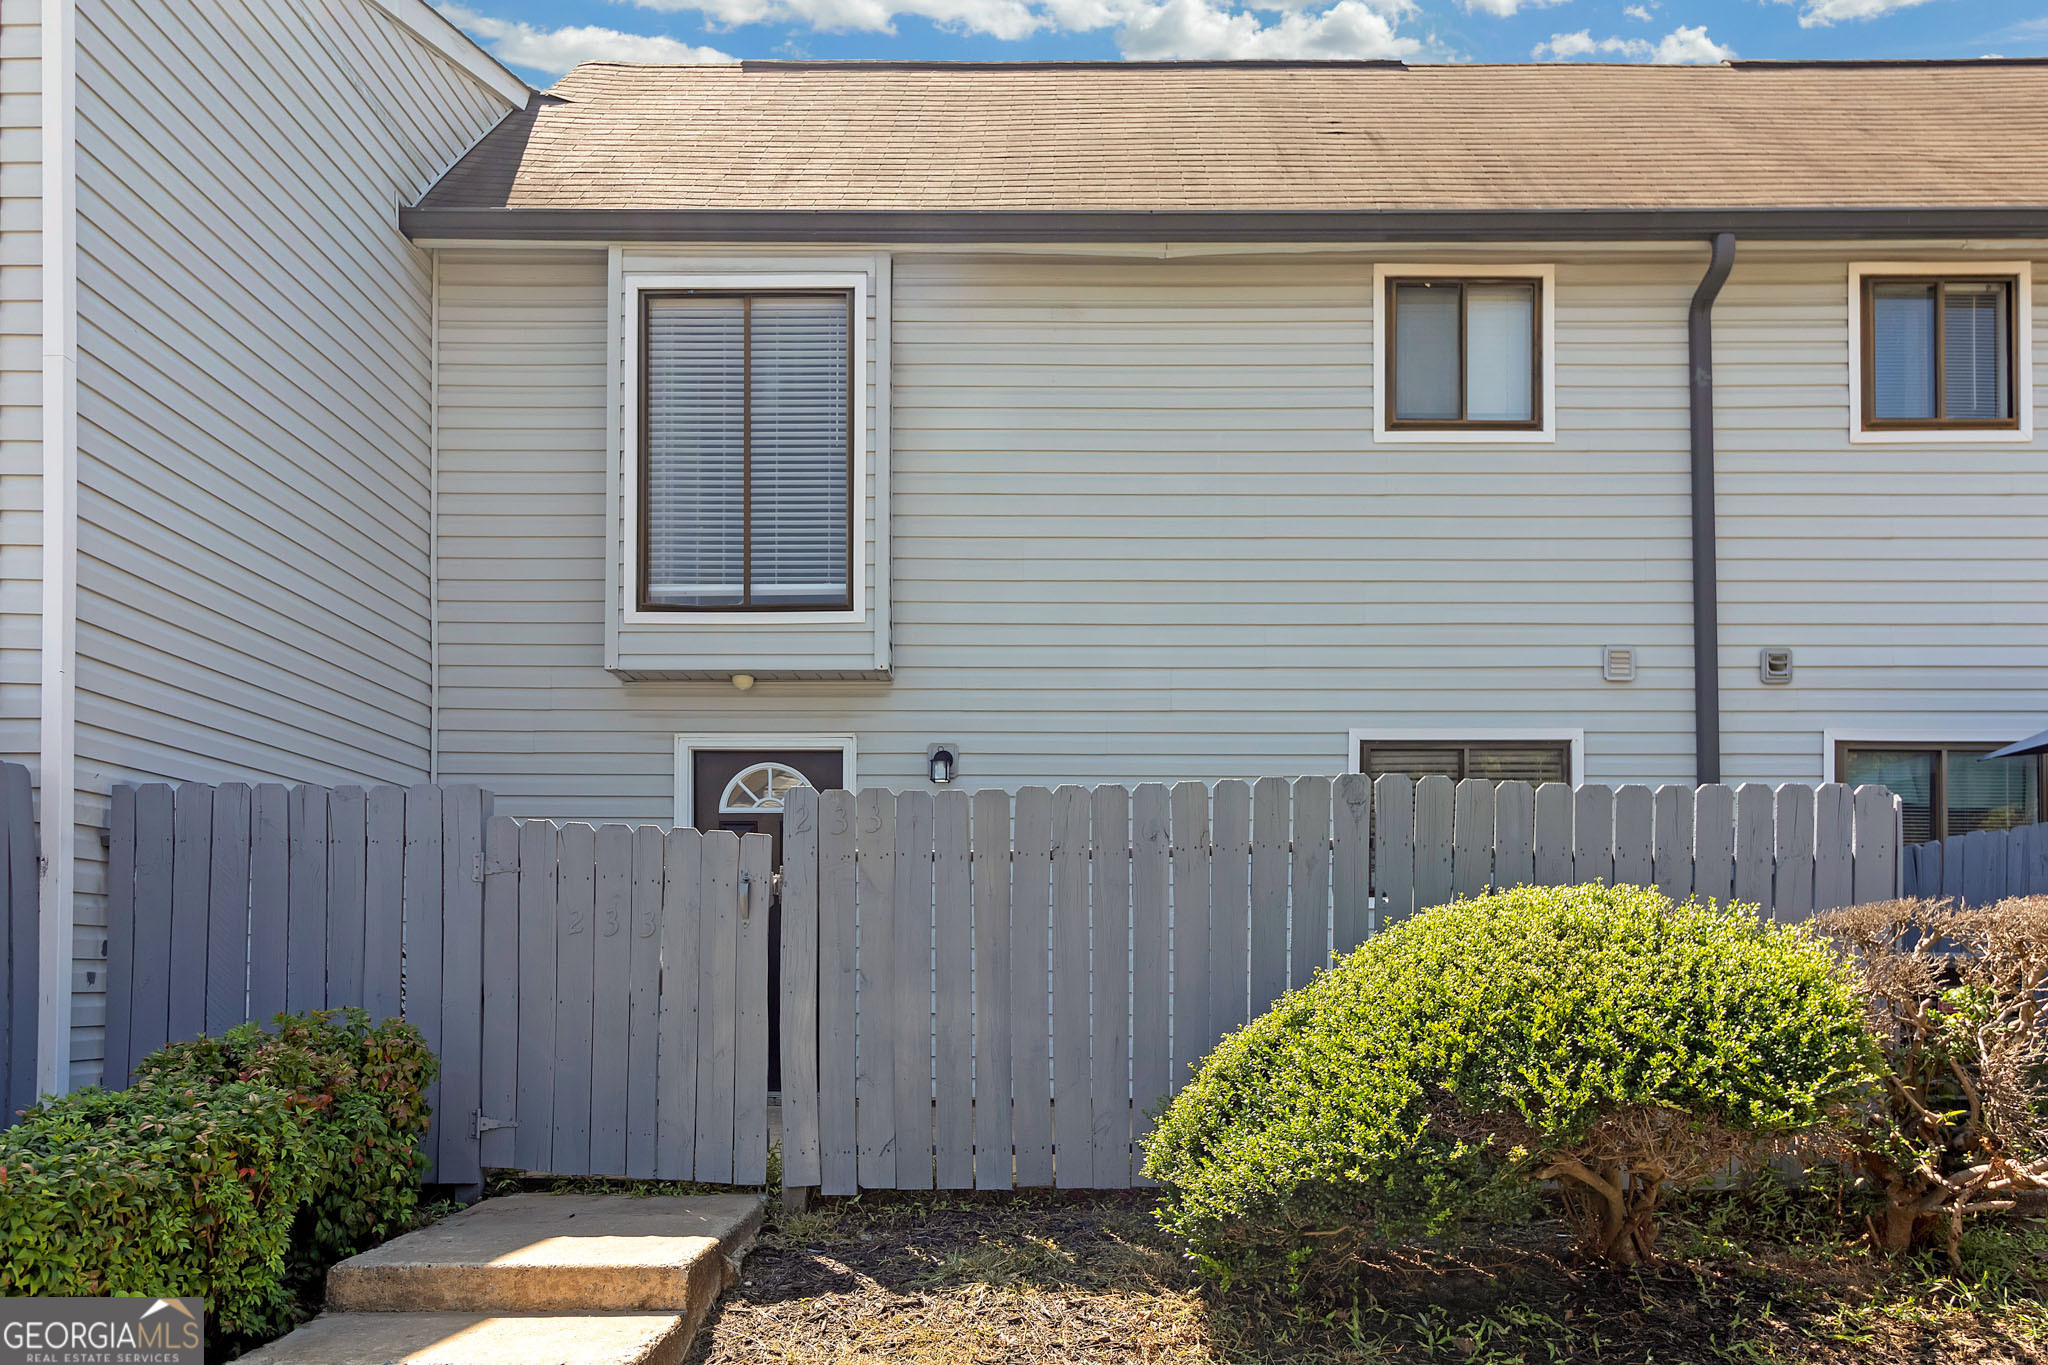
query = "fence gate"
{"x": 20, "y": 932}
{"x": 597, "y": 996}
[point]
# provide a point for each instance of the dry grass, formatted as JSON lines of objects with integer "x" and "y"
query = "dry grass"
{"x": 1089, "y": 1280}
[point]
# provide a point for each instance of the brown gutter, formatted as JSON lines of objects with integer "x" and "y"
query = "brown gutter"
{"x": 1337, "y": 227}
{"x": 1706, "y": 574}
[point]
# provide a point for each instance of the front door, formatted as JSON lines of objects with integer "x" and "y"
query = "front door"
{"x": 741, "y": 790}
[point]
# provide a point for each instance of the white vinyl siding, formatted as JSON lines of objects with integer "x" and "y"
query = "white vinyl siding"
{"x": 21, "y": 378}
{"x": 1141, "y": 531}
{"x": 254, "y": 401}
{"x": 1910, "y": 579}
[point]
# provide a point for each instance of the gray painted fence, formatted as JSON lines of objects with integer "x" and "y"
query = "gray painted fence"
{"x": 238, "y": 902}
{"x": 1980, "y": 867}
{"x": 595, "y": 994}
{"x": 978, "y": 990}
{"x": 982, "y": 991}
{"x": 19, "y": 928}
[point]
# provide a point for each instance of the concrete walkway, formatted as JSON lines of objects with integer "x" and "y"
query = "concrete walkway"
{"x": 533, "y": 1279}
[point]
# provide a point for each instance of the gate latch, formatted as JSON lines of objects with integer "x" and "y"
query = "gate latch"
{"x": 484, "y": 1123}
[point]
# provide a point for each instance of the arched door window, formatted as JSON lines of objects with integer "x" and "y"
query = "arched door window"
{"x": 759, "y": 788}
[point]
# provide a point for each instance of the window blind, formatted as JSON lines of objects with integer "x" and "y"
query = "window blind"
{"x": 695, "y": 503}
{"x": 747, "y": 481}
{"x": 1974, "y": 374}
{"x": 1499, "y": 335}
{"x": 1902, "y": 347}
{"x": 1426, "y": 352}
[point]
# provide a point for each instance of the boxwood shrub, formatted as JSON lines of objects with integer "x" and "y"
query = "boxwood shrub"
{"x": 1599, "y": 1036}
{"x": 237, "y": 1169}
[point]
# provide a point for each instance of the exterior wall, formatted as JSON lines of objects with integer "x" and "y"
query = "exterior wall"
{"x": 254, "y": 395}
{"x": 1140, "y": 531}
{"x": 1910, "y": 580}
{"x": 21, "y": 378}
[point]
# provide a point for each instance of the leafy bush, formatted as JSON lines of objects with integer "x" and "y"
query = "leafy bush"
{"x": 236, "y": 1169}
{"x": 362, "y": 1090}
{"x": 1960, "y": 1123}
{"x": 159, "y": 1190}
{"x": 1598, "y": 1035}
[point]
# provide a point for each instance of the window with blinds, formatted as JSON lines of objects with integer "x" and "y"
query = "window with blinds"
{"x": 1949, "y": 789}
{"x": 1464, "y": 353}
{"x": 1534, "y": 761}
{"x": 746, "y": 476}
{"x": 1938, "y": 352}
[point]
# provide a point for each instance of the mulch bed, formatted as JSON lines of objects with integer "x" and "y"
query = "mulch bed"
{"x": 1089, "y": 1280}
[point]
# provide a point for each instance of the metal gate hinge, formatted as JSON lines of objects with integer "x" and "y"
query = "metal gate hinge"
{"x": 476, "y": 867}
{"x": 484, "y": 1123}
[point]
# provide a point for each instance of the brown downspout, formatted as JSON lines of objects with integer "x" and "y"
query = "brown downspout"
{"x": 1706, "y": 592}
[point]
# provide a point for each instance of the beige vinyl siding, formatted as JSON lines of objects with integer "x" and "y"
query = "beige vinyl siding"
{"x": 254, "y": 393}
{"x": 21, "y": 377}
{"x": 1910, "y": 580}
{"x": 1140, "y": 531}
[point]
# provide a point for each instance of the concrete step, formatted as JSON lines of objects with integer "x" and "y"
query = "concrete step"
{"x": 482, "y": 1339}
{"x": 558, "y": 1253}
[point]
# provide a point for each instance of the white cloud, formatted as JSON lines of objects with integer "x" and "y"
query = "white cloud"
{"x": 1571, "y": 47}
{"x": 1641, "y": 12}
{"x": 556, "y": 50}
{"x": 1685, "y": 46}
{"x": 1821, "y": 13}
{"x": 1507, "y": 9}
{"x": 1146, "y": 29}
{"x": 1682, "y": 46}
{"x": 1200, "y": 28}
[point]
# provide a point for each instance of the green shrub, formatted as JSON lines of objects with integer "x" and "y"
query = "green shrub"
{"x": 159, "y": 1190}
{"x": 237, "y": 1169}
{"x": 1597, "y": 1035}
{"x": 362, "y": 1089}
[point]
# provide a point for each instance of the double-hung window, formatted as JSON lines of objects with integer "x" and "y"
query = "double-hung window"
{"x": 746, "y": 497}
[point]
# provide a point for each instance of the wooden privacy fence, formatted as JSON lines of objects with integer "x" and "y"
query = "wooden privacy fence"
{"x": 597, "y": 996}
{"x": 1980, "y": 867}
{"x": 976, "y": 990}
{"x": 986, "y": 992}
{"x": 19, "y": 930}
{"x": 232, "y": 903}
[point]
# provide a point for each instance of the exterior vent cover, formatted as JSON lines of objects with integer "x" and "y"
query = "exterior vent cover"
{"x": 1774, "y": 666}
{"x": 1618, "y": 663}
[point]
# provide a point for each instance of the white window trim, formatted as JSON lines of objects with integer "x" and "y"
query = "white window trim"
{"x": 1542, "y": 734}
{"x": 1934, "y": 732}
{"x": 1382, "y": 401}
{"x": 635, "y": 286}
{"x": 2022, "y": 360}
{"x": 687, "y": 747}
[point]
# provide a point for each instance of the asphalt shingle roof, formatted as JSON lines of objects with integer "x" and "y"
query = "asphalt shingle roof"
{"x": 1201, "y": 137}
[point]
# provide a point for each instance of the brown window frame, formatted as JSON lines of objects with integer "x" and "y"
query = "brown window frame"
{"x": 1867, "y": 343}
{"x": 1938, "y": 792}
{"x": 1466, "y": 748}
{"x": 1396, "y": 422}
{"x": 643, "y": 474}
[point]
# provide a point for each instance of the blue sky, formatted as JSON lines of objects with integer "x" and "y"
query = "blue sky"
{"x": 542, "y": 38}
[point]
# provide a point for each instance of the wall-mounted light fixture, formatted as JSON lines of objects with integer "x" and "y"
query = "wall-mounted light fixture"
{"x": 743, "y": 681}
{"x": 942, "y": 761}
